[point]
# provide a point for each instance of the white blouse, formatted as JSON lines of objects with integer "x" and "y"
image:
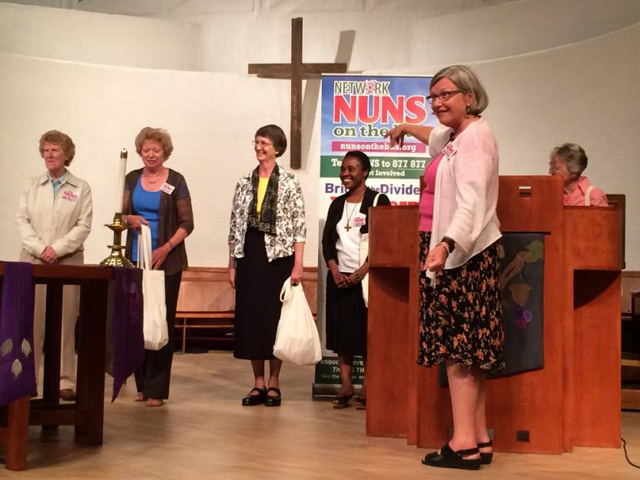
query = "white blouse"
{"x": 348, "y": 244}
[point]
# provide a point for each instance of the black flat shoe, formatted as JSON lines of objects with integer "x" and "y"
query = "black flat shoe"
{"x": 360, "y": 403}
{"x": 486, "y": 457}
{"x": 275, "y": 400}
{"x": 342, "y": 401}
{"x": 447, "y": 458}
{"x": 258, "y": 399}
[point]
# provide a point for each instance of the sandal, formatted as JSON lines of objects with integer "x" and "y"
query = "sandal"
{"x": 360, "y": 403}
{"x": 342, "y": 401}
{"x": 447, "y": 458}
{"x": 486, "y": 457}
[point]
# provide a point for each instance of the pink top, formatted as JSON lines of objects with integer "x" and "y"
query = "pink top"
{"x": 426, "y": 201}
{"x": 576, "y": 197}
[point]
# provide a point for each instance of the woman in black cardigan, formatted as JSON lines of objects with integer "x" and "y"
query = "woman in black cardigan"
{"x": 158, "y": 196}
{"x": 346, "y": 313}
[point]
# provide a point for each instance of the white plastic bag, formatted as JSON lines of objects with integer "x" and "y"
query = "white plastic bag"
{"x": 155, "y": 330}
{"x": 297, "y": 339}
{"x": 364, "y": 254}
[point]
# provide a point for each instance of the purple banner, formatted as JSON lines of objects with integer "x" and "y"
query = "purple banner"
{"x": 17, "y": 367}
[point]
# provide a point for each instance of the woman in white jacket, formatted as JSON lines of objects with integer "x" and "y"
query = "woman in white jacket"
{"x": 54, "y": 219}
{"x": 461, "y": 310}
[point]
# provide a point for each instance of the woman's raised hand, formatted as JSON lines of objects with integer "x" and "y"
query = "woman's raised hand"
{"x": 396, "y": 135}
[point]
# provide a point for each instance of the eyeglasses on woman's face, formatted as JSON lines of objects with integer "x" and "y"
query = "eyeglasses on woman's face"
{"x": 261, "y": 143}
{"x": 442, "y": 96}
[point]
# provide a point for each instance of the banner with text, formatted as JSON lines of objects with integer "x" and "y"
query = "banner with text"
{"x": 357, "y": 111}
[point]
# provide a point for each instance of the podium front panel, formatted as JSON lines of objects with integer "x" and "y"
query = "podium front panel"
{"x": 392, "y": 347}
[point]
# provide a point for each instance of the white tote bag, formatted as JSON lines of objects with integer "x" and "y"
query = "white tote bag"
{"x": 297, "y": 339}
{"x": 364, "y": 254}
{"x": 155, "y": 332}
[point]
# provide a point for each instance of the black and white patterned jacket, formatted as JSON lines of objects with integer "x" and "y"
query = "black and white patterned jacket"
{"x": 290, "y": 223}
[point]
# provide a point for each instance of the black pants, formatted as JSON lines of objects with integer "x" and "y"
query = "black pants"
{"x": 154, "y": 375}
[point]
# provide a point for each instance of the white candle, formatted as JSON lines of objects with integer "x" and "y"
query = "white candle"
{"x": 122, "y": 170}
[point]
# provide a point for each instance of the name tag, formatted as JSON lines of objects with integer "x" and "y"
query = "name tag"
{"x": 69, "y": 195}
{"x": 359, "y": 220}
{"x": 449, "y": 150}
{"x": 168, "y": 189}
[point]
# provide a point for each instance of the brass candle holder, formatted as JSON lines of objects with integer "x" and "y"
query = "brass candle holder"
{"x": 117, "y": 258}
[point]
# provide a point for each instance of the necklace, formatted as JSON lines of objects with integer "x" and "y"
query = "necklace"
{"x": 347, "y": 226}
{"x": 153, "y": 179}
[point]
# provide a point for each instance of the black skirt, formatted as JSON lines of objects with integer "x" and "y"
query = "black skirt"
{"x": 346, "y": 319}
{"x": 461, "y": 313}
{"x": 258, "y": 284}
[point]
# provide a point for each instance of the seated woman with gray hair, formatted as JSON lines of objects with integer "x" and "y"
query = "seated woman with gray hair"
{"x": 570, "y": 160}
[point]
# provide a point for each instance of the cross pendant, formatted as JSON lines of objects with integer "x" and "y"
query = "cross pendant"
{"x": 347, "y": 227}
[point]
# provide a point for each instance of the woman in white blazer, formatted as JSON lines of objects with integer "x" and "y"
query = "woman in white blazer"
{"x": 54, "y": 219}
{"x": 461, "y": 309}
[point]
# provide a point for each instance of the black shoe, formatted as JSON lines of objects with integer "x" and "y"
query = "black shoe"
{"x": 360, "y": 403}
{"x": 486, "y": 457}
{"x": 342, "y": 401}
{"x": 447, "y": 458}
{"x": 273, "y": 401}
{"x": 258, "y": 399}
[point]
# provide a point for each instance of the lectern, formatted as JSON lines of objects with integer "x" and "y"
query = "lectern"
{"x": 575, "y": 398}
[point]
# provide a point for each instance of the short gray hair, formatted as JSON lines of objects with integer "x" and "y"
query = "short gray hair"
{"x": 574, "y": 155}
{"x": 466, "y": 80}
{"x": 63, "y": 140}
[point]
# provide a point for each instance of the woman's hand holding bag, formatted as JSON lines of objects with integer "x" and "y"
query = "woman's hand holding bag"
{"x": 297, "y": 339}
{"x": 155, "y": 330}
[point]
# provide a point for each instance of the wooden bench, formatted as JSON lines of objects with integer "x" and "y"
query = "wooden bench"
{"x": 207, "y": 300}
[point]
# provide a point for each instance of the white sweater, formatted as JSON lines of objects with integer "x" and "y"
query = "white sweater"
{"x": 466, "y": 191}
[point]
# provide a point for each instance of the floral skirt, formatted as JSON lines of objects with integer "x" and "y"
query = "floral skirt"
{"x": 461, "y": 313}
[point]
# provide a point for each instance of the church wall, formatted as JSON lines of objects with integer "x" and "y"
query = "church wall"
{"x": 401, "y": 34}
{"x": 99, "y": 39}
{"x": 211, "y": 117}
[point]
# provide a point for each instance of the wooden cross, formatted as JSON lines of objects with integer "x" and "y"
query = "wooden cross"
{"x": 296, "y": 71}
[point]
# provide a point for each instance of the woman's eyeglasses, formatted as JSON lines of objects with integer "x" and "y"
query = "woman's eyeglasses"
{"x": 443, "y": 96}
{"x": 261, "y": 144}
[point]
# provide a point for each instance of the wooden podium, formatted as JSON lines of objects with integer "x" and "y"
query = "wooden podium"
{"x": 575, "y": 398}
